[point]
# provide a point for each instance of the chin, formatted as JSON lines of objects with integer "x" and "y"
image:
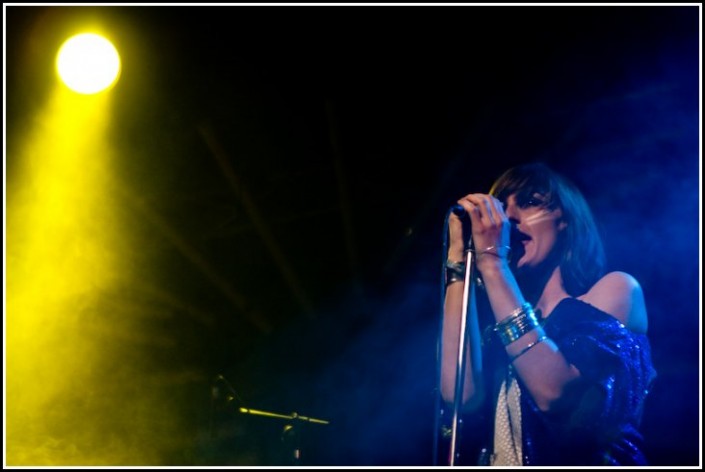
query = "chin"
{"x": 526, "y": 268}
{"x": 524, "y": 263}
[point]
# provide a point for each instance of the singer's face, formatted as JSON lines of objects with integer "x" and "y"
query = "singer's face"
{"x": 537, "y": 228}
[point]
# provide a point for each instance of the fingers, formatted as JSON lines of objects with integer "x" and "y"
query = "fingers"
{"x": 483, "y": 208}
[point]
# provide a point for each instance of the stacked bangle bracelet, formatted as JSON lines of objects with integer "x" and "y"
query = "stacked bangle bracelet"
{"x": 518, "y": 323}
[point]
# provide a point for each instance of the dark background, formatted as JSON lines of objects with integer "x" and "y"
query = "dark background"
{"x": 286, "y": 172}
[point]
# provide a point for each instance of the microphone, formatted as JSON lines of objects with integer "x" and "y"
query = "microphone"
{"x": 458, "y": 210}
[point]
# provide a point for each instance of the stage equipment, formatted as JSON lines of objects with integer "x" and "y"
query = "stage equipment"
{"x": 468, "y": 291}
{"x": 291, "y": 432}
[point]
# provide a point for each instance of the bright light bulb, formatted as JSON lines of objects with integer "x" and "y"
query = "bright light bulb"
{"x": 88, "y": 63}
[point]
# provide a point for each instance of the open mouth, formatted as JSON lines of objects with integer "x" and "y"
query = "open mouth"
{"x": 519, "y": 238}
{"x": 518, "y": 243}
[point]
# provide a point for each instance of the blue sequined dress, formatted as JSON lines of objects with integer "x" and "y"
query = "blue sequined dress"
{"x": 598, "y": 423}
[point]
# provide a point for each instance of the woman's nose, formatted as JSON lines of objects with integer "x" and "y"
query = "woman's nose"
{"x": 512, "y": 214}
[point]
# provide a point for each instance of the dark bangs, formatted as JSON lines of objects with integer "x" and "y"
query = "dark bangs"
{"x": 527, "y": 180}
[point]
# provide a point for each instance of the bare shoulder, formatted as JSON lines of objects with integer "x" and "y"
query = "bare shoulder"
{"x": 620, "y": 295}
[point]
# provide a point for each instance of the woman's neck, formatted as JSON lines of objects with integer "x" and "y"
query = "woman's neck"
{"x": 552, "y": 293}
{"x": 543, "y": 288}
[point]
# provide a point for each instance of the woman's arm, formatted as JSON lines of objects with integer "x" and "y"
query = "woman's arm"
{"x": 473, "y": 391}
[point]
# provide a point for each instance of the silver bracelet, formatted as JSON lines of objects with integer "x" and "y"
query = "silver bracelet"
{"x": 495, "y": 251}
{"x": 455, "y": 272}
{"x": 542, "y": 338}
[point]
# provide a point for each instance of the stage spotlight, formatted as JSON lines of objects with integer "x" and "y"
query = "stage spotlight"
{"x": 88, "y": 63}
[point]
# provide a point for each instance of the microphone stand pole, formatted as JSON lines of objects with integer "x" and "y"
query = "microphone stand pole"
{"x": 293, "y": 416}
{"x": 462, "y": 348}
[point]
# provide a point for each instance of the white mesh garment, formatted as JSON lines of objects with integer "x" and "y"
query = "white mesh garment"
{"x": 507, "y": 428}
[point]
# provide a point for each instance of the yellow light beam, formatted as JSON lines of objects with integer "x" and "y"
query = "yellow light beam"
{"x": 61, "y": 257}
{"x": 79, "y": 390}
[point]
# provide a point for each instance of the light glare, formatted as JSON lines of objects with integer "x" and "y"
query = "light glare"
{"x": 88, "y": 63}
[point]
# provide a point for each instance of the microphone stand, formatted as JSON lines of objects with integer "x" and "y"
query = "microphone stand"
{"x": 462, "y": 349}
{"x": 462, "y": 346}
{"x": 293, "y": 416}
{"x": 289, "y": 429}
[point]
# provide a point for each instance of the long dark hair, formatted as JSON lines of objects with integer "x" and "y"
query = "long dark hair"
{"x": 583, "y": 258}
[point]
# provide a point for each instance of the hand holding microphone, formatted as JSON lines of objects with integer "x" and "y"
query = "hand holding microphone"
{"x": 459, "y": 233}
{"x": 480, "y": 219}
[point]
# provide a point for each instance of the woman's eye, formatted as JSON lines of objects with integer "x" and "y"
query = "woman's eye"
{"x": 531, "y": 201}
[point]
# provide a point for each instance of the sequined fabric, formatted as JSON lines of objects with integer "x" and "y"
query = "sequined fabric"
{"x": 598, "y": 422}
